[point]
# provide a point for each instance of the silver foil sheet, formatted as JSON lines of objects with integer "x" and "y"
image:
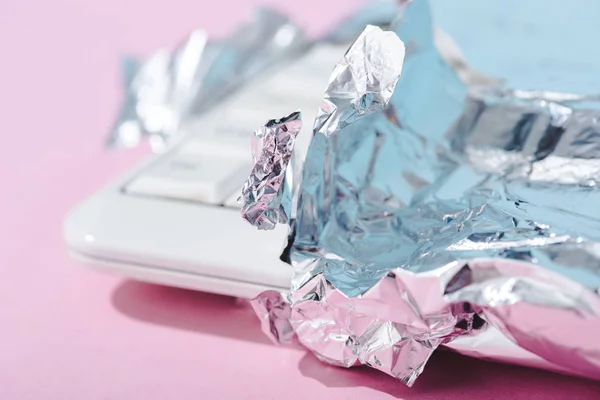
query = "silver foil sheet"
{"x": 170, "y": 88}
{"x": 456, "y": 216}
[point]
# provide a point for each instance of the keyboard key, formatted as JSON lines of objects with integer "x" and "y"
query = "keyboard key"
{"x": 202, "y": 178}
{"x": 227, "y": 140}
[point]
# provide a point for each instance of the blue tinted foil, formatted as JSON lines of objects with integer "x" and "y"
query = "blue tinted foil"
{"x": 457, "y": 216}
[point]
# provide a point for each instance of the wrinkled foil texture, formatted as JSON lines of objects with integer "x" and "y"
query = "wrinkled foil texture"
{"x": 267, "y": 195}
{"x": 453, "y": 217}
{"x": 170, "y": 88}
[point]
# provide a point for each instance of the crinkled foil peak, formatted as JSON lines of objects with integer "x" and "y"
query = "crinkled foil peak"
{"x": 267, "y": 194}
{"x": 363, "y": 82}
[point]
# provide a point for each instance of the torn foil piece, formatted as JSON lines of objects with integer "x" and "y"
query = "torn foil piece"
{"x": 363, "y": 82}
{"x": 169, "y": 89}
{"x": 431, "y": 223}
{"x": 267, "y": 195}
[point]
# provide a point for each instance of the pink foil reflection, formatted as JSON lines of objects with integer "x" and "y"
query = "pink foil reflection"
{"x": 397, "y": 324}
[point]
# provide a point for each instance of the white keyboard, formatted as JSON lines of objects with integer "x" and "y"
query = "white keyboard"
{"x": 211, "y": 166}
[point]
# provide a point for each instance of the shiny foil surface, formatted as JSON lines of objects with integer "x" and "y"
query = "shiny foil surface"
{"x": 170, "y": 88}
{"x": 458, "y": 216}
{"x": 267, "y": 195}
{"x": 363, "y": 82}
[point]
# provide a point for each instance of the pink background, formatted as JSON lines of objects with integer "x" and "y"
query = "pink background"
{"x": 70, "y": 333}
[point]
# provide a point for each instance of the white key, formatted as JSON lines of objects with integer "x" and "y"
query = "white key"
{"x": 196, "y": 177}
{"x": 226, "y": 139}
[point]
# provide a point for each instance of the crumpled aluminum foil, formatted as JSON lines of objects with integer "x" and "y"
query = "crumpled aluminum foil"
{"x": 268, "y": 193}
{"x": 170, "y": 88}
{"x": 453, "y": 217}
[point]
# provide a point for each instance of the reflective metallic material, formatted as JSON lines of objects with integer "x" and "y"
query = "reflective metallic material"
{"x": 274, "y": 312}
{"x": 170, "y": 88}
{"x": 267, "y": 195}
{"x": 458, "y": 216}
{"x": 363, "y": 82}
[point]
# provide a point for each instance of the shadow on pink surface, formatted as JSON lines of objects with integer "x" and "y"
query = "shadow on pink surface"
{"x": 450, "y": 375}
{"x": 189, "y": 310}
{"x": 446, "y": 373}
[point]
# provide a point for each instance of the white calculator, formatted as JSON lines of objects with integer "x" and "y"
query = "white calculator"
{"x": 175, "y": 219}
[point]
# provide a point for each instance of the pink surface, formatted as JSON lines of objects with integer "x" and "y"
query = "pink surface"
{"x": 71, "y": 333}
